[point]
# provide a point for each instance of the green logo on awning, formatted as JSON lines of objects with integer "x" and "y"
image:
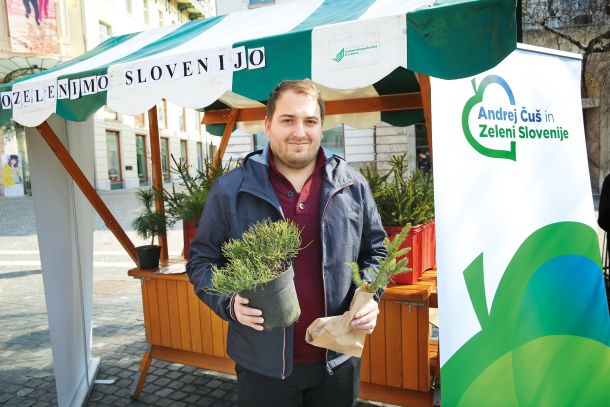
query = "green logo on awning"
{"x": 340, "y": 55}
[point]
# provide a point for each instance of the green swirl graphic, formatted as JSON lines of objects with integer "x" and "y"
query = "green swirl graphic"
{"x": 546, "y": 340}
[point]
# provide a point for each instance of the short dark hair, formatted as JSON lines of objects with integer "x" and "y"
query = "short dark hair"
{"x": 13, "y": 157}
{"x": 299, "y": 87}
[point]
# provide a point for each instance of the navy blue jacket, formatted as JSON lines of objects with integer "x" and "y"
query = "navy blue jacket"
{"x": 351, "y": 231}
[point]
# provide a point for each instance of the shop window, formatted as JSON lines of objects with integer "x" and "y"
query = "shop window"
{"x": 198, "y": 118}
{"x": 200, "y": 156}
{"x": 113, "y": 154}
{"x": 181, "y": 119}
{"x": 141, "y": 159}
{"x": 146, "y": 8}
{"x": 183, "y": 152}
{"x": 165, "y": 158}
{"x": 139, "y": 120}
{"x": 212, "y": 151}
{"x": 162, "y": 114}
{"x": 105, "y": 31}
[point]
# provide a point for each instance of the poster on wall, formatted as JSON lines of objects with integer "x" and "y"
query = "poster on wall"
{"x": 523, "y": 311}
{"x": 33, "y": 26}
{"x": 12, "y": 175}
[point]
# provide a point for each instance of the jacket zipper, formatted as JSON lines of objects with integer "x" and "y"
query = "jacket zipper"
{"x": 279, "y": 209}
{"x": 333, "y": 193}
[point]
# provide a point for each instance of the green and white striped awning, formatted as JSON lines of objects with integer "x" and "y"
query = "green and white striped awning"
{"x": 351, "y": 48}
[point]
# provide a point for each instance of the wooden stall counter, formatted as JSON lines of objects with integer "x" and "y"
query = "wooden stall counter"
{"x": 179, "y": 327}
{"x": 397, "y": 358}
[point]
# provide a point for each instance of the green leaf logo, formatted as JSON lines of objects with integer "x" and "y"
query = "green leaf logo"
{"x": 545, "y": 338}
{"x": 510, "y": 154}
{"x": 340, "y": 55}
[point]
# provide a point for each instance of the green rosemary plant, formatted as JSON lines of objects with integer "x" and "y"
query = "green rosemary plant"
{"x": 389, "y": 267}
{"x": 263, "y": 253}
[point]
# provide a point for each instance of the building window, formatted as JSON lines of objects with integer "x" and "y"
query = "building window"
{"x": 105, "y": 31}
{"x": 198, "y": 117}
{"x": 260, "y": 140}
{"x": 113, "y": 155}
{"x": 200, "y": 156}
{"x": 139, "y": 120}
{"x": 129, "y": 6}
{"x": 141, "y": 159}
{"x": 334, "y": 140}
{"x": 421, "y": 138}
{"x": 259, "y": 3}
{"x": 181, "y": 119}
{"x": 183, "y": 152}
{"x": 212, "y": 151}
{"x": 146, "y": 12}
{"x": 161, "y": 18}
{"x": 162, "y": 114}
{"x": 165, "y": 158}
{"x": 110, "y": 114}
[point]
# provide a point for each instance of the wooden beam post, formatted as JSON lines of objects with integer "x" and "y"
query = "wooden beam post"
{"x": 385, "y": 103}
{"x": 424, "y": 85}
{"x": 217, "y": 163}
{"x": 85, "y": 186}
{"x": 157, "y": 176}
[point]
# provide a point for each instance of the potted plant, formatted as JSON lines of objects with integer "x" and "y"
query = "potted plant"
{"x": 259, "y": 267}
{"x": 336, "y": 333}
{"x": 186, "y": 203}
{"x": 149, "y": 224}
{"x": 406, "y": 199}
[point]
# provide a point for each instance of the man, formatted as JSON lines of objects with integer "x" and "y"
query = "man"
{"x": 293, "y": 178}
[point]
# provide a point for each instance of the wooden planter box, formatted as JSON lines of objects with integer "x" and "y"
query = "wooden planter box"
{"x": 398, "y": 358}
{"x": 189, "y": 230}
{"x": 396, "y": 363}
{"x": 422, "y": 256}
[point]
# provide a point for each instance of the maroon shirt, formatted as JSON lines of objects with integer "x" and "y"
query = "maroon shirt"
{"x": 304, "y": 210}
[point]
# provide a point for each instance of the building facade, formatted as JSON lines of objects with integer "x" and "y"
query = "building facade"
{"x": 572, "y": 26}
{"x": 35, "y": 40}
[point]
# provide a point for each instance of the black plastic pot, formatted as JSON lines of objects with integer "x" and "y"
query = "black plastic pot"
{"x": 277, "y": 299}
{"x": 148, "y": 256}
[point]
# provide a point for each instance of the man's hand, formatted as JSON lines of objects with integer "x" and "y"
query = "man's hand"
{"x": 245, "y": 315}
{"x": 366, "y": 319}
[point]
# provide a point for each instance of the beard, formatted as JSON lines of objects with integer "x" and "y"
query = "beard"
{"x": 298, "y": 159}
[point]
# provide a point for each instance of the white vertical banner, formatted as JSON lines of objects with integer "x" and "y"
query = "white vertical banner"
{"x": 523, "y": 312}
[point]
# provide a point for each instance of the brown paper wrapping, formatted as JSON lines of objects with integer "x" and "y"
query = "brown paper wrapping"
{"x": 336, "y": 333}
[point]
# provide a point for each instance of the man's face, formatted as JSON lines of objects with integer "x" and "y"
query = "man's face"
{"x": 295, "y": 130}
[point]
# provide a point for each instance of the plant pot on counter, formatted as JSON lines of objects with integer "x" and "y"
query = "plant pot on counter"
{"x": 148, "y": 256}
{"x": 189, "y": 231}
{"x": 277, "y": 300}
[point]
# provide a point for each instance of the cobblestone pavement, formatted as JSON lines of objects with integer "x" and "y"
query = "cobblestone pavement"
{"x": 26, "y": 365}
